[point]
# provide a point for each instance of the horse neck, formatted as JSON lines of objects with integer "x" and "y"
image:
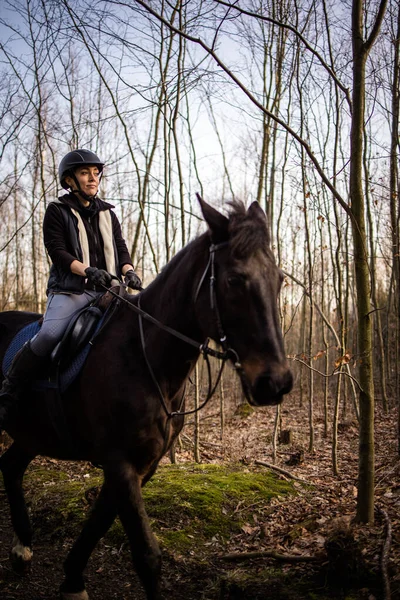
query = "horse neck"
{"x": 171, "y": 300}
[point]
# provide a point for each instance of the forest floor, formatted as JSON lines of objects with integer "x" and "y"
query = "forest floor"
{"x": 315, "y": 520}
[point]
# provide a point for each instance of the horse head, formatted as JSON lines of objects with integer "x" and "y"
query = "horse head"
{"x": 247, "y": 282}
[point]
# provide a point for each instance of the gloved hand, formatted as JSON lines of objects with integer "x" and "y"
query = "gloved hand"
{"x": 98, "y": 276}
{"x": 132, "y": 280}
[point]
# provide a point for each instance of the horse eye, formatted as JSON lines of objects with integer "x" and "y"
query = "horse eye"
{"x": 235, "y": 280}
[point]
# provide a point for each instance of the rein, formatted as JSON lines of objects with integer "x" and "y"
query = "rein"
{"x": 204, "y": 349}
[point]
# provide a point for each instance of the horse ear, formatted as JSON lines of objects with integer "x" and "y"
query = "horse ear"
{"x": 256, "y": 212}
{"x": 216, "y": 221}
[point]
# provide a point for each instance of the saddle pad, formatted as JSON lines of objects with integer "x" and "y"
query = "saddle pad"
{"x": 66, "y": 376}
{"x": 23, "y": 335}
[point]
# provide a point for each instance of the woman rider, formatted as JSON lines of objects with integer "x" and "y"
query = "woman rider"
{"x": 83, "y": 238}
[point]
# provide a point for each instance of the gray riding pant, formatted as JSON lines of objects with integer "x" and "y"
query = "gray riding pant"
{"x": 60, "y": 309}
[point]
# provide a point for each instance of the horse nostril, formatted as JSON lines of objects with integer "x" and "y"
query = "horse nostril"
{"x": 270, "y": 388}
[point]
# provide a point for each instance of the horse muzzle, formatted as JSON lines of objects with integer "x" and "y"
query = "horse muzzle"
{"x": 269, "y": 388}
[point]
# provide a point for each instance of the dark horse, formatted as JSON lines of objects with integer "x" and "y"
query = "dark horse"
{"x": 223, "y": 285}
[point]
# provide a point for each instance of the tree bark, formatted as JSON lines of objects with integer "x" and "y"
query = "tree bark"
{"x": 365, "y": 498}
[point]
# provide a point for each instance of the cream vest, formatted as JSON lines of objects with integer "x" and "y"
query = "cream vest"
{"x": 105, "y": 226}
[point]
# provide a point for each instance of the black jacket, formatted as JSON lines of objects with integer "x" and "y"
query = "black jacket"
{"x": 60, "y": 231}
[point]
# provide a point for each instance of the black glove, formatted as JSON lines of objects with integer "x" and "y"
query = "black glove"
{"x": 98, "y": 276}
{"x": 132, "y": 280}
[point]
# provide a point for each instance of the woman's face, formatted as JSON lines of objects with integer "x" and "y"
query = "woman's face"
{"x": 88, "y": 178}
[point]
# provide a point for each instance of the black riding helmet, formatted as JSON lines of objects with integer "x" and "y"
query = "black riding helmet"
{"x": 74, "y": 159}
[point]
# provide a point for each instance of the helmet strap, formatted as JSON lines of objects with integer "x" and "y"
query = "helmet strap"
{"x": 79, "y": 191}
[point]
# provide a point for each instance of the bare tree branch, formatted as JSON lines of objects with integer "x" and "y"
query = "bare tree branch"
{"x": 297, "y": 33}
{"x": 254, "y": 100}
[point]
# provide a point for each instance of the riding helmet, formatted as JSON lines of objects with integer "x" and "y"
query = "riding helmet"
{"x": 74, "y": 159}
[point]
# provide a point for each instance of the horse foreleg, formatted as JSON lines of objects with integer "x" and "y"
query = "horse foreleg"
{"x": 13, "y": 465}
{"x": 146, "y": 555}
{"x": 98, "y": 523}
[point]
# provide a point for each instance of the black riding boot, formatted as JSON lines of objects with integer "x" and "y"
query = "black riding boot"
{"x": 24, "y": 366}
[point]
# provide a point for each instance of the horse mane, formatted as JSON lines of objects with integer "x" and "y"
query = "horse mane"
{"x": 172, "y": 275}
{"x": 248, "y": 233}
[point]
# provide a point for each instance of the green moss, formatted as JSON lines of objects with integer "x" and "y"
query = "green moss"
{"x": 193, "y": 506}
{"x": 244, "y": 410}
{"x": 198, "y": 502}
{"x": 194, "y": 509}
{"x": 189, "y": 505}
{"x": 40, "y": 476}
{"x": 58, "y": 505}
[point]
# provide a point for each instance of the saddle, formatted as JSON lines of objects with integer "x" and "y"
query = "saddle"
{"x": 68, "y": 357}
{"x": 78, "y": 334}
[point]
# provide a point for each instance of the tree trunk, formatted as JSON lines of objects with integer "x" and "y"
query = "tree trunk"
{"x": 395, "y": 199}
{"x": 365, "y": 499}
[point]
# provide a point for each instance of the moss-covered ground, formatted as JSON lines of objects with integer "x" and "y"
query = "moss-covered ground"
{"x": 192, "y": 505}
{"x": 198, "y": 513}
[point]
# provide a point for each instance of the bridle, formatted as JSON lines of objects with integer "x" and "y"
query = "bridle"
{"x": 227, "y": 353}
